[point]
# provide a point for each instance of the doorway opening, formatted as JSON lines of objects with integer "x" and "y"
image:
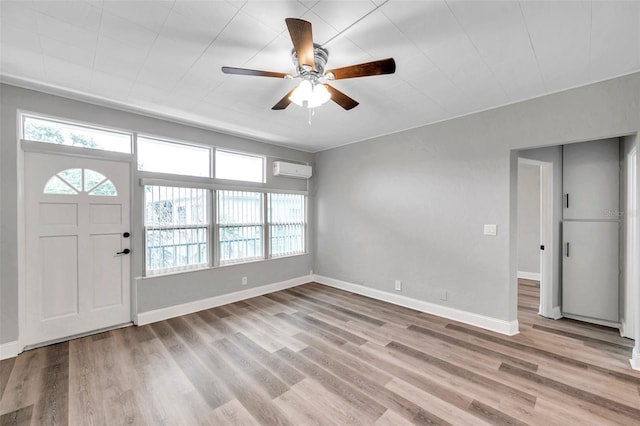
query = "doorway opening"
{"x": 535, "y": 238}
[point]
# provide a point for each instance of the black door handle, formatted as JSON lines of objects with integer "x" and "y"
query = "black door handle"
{"x": 125, "y": 251}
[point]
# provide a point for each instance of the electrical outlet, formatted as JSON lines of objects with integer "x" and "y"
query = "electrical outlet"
{"x": 490, "y": 229}
{"x": 398, "y": 285}
{"x": 443, "y": 295}
{"x": 244, "y": 280}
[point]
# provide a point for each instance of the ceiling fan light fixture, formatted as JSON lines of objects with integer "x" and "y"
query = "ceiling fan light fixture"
{"x": 310, "y": 94}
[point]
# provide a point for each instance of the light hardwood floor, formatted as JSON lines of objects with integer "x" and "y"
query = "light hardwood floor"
{"x": 317, "y": 355}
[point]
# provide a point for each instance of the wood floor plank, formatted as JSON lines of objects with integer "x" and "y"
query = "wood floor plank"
{"x": 209, "y": 388}
{"x": 19, "y": 417}
{"x": 85, "y": 395}
{"x": 630, "y": 377}
{"x": 287, "y": 374}
{"x": 586, "y": 339}
{"x": 368, "y": 408}
{"x": 448, "y": 412}
{"x": 271, "y": 384}
{"x": 334, "y": 407}
{"x": 300, "y": 411}
{"x": 319, "y": 355}
{"x": 24, "y": 383}
{"x": 355, "y": 363}
{"x": 473, "y": 347}
{"x": 631, "y": 412}
{"x": 391, "y": 418}
{"x": 210, "y": 383}
{"x": 465, "y": 373}
{"x": 231, "y": 413}
{"x": 53, "y": 405}
{"x": 338, "y": 308}
{"x": 381, "y": 394}
{"x": 494, "y": 416}
{"x": 6, "y": 367}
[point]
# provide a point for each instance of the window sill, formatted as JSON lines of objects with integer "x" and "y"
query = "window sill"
{"x": 227, "y": 265}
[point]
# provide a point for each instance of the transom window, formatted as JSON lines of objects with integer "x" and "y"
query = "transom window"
{"x": 236, "y": 166}
{"x": 52, "y": 131}
{"x": 75, "y": 181}
{"x": 176, "y": 158}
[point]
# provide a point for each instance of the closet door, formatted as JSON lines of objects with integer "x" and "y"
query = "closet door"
{"x": 591, "y": 173}
{"x": 590, "y": 270}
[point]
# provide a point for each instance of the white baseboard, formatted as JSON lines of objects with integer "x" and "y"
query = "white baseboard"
{"x": 509, "y": 328}
{"x": 556, "y": 312}
{"x": 624, "y": 330}
{"x": 200, "y": 305}
{"x": 9, "y": 350}
{"x": 635, "y": 358}
{"x": 535, "y": 276}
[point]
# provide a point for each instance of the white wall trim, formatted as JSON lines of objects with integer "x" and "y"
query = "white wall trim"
{"x": 635, "y": 358}
{"x": 9, "y": 350}
{"x": 556, "y": 313}
{"x": 509, "y": 328}
{"x": 535, "y": 276}
{"x": 149, "y": 317}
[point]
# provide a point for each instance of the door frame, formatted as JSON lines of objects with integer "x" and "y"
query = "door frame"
{"x": 45, "y": 148}
{"x": 629, "y": 325}
{"x": 546, "y": 237}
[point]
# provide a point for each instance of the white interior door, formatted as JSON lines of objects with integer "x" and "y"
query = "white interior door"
{"x": 77, "y": 276}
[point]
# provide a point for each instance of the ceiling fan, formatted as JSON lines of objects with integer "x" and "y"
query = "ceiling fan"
{"x": 310, "y": 59}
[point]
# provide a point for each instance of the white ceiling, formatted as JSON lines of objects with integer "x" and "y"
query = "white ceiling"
{"x": 453, "y": 58}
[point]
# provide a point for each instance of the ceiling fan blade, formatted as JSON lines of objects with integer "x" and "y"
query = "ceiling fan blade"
{"x": 284, "y": 102}
{"x": 341, "y": 99}
{"x": 383, "y": 66}
{"x": 257, "y": 73}
{"x": 302, "y": 38}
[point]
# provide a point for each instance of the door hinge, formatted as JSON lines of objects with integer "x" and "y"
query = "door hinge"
{"x": 542, "y": 247}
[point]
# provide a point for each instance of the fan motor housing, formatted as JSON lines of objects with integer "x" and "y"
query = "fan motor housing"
{"x": 320, "y": 56}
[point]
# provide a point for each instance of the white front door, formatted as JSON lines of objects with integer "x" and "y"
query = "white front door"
{"x": 77, "y": 244}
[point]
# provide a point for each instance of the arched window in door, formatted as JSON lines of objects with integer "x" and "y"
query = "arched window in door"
{"x": 75, "y": 181}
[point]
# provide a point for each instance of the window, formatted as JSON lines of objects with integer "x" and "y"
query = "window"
{"x": 176, "y": 158}
{"x": 287, "y": 224}
{"x": 63, "y": 133}
{"x": 235, "y": 166}
{"x": 74, "y": 181}
{"x": 240, "y": 226}
{"x": 176, "y": 228}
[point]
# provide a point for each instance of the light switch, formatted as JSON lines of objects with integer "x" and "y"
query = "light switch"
{"x": 490, "y": 229}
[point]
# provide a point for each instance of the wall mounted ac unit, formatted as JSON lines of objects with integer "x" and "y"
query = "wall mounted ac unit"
{"x": 300, "y": 171}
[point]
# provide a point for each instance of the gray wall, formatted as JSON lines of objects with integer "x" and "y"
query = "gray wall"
{"x": 528, "y": 218}
{"x": 412, "y": 205}
{"x": 153, "y": 293}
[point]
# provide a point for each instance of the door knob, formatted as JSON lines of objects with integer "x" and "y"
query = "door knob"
{"x": 125, "y": 251}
